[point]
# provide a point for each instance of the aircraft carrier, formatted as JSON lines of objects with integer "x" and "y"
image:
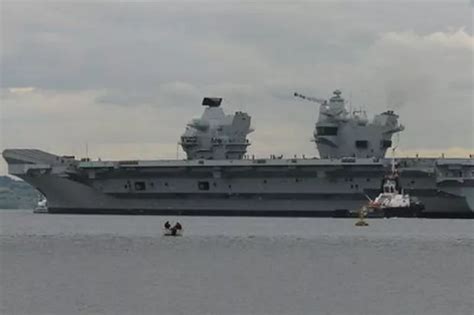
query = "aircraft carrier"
{"x": 220, "y": 178}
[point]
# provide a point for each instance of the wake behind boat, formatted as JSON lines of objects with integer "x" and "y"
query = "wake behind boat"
{"x": 41, "y": 206}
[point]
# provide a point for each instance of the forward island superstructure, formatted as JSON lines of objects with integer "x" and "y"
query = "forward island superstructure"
{"x": 219, "y": 178}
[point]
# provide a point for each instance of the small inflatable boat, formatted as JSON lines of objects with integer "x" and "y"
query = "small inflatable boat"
{"x": 172, "y": 232}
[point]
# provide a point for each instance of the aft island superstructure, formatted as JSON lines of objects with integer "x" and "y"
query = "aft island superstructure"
{"x": 219, "y": 178}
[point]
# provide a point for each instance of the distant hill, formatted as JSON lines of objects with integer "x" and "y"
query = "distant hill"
{"x": 16, "y": 194}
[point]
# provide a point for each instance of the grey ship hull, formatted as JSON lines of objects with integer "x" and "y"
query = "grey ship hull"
{"x": 293, "y": 187}
{"x": 74, "y": 197}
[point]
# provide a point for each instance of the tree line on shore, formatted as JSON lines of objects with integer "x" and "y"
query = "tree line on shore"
{"x": 16, "y": 194}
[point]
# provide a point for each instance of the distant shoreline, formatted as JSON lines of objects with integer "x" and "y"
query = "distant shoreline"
{"x": 16, "y": 194}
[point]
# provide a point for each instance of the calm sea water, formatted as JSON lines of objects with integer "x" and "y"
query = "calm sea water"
{"x": 81, "y": 264}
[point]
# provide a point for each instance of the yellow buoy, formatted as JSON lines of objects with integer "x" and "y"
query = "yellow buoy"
{"x": 362, "y": 214}
{"x": 361, "y": 223}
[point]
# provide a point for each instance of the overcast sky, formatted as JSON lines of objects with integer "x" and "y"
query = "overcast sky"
{"x": 126, "y": 77}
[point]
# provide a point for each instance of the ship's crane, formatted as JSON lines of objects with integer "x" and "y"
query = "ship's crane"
{"x": 310, "y": 98}
{"x": 320, "y": 101}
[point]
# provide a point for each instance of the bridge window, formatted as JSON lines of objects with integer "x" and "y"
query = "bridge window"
{"x": 140, "y": 186}
{"x": 203, "y": 185}
{"x": 362, "y": 144}
{"x": 326, "y": 131}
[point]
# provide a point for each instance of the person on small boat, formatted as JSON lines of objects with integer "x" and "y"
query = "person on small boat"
{"x": 176, "y": 229}
{"x": 167, "y": 225}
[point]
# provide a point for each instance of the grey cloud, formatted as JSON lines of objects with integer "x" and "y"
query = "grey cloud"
{"x": 174, "y": 93}
{"x": 118, "y": 45}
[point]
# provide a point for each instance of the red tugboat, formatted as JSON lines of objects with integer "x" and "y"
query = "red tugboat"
{"x": 393, "y": 201}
